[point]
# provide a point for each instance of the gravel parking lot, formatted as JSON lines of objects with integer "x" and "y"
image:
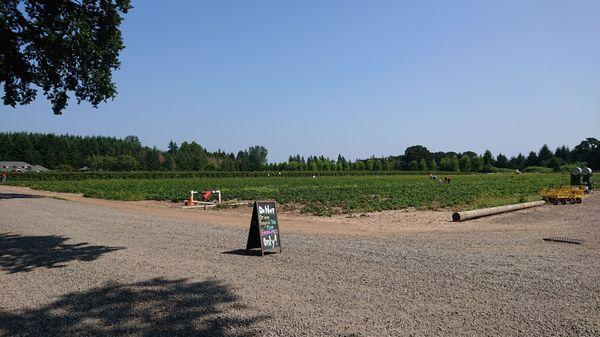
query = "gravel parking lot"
{"x": 69, "y": 269}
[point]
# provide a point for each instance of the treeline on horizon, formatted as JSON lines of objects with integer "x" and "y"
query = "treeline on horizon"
{"x": 101, "y": 153}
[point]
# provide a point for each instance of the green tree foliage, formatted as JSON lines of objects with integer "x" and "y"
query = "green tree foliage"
{"x": 488, "y": 158}
{"x": 51, "y": 151}
{"x": 532, "y": 159}
{"x": 501, "y": 161}
{"x": 422, "y": 165}
{"x": 416, "y": 153}
{"x": 563, "y": 153}
{"x": 257, "y": 157}
{"x": 103, "y": 163}
{"x": 62, "y": 47}
{"x": 450, "y": 163}
{"x": 433, "y": 166}
{"x": 464, "y": 163}
{"x": 347, "y": 166}
{"x": 128, "y": 154}
{"x": 64, "y": 168}
{"x": 191, "y": 157}
{"x": 377, "y": 166}
{"x": 413, "y": 165}
{"x": 545, "y": 155}
{"x": 470, "y": 154}
{"x": 518, "y": 162}
{"x": 477, "y": 164}
{"x": 172, "y": 149}
{"x": 588, "y": 151}
{"x": 152, "y": 160}
{"x": 554, "y": 163}
{"x": 126, "y": 162}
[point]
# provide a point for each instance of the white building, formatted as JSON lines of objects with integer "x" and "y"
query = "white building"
{"x": 20, "y": 166}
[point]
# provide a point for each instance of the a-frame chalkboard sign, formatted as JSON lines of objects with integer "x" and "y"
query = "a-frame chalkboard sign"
{"x": 264, "y": 229}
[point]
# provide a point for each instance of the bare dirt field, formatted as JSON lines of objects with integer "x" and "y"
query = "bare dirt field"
{"x": 73, "y": 266}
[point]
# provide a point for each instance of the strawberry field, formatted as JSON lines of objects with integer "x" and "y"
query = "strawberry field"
{"x": 327, "y": 195}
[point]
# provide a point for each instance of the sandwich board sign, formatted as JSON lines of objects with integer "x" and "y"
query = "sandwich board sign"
{"x": 264, "y": 229}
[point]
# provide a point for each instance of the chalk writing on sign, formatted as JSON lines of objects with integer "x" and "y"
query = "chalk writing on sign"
{"x": 264, "y": 231}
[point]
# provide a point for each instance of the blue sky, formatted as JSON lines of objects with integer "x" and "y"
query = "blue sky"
{"x": 358, "y": 78}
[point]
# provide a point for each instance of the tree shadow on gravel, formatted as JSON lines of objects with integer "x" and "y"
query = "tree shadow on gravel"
{"x": 158, "y": 307}
{"x": 25, "y": 253}
{"x": 18, "y": 196}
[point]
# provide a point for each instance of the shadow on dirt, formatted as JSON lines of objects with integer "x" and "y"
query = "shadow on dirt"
{"x": 158, "y": 307}
{"x": 242, "y": 252}
{"x": 18, "y": 196}
{"x": 25, "y": 253}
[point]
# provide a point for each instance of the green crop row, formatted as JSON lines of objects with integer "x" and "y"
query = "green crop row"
{"x": 326, "y": 195}
{"x": 57, "y": 175}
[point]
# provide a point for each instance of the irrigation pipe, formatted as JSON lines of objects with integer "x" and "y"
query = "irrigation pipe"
{"x": 478, "y": 213}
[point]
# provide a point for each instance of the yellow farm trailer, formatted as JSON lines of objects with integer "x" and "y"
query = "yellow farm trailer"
{"x": 570, "y": 194}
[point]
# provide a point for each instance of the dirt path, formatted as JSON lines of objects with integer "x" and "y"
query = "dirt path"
{"x": 85, "y": 267}
{"x": 380, "y": 224}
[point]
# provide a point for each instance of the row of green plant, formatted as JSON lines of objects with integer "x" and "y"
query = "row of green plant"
{"x": 326, "y": 195}
{"x": 58, "y": 175}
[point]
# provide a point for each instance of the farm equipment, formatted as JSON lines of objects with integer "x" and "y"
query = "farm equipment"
{"x": 208, "y": 199}
{"x": 570, "y": 194}
{"x": 583, "y": 177}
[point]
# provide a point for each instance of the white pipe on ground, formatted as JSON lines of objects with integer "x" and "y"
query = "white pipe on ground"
{"x": 478, "y": 213}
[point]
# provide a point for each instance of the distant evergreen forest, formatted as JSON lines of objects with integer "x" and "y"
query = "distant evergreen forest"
{"x": 99, "y": 153}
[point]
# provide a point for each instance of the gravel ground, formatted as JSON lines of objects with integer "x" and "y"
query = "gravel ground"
{"x": 68, "y": 269}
